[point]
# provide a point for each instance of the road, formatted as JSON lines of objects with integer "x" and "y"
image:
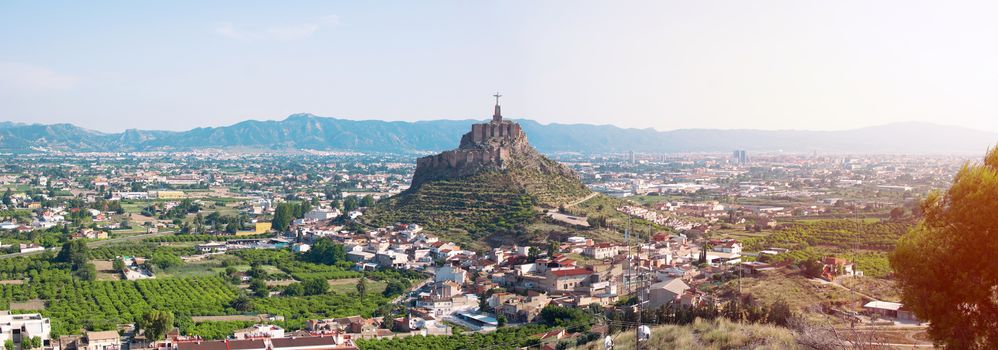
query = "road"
{"x": 569, "y": 219}
{"x": 590, "y": 196}
{"x": 92, "y": 244}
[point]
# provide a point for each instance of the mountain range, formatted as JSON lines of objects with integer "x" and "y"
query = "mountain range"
{"x": 306, "y": 131}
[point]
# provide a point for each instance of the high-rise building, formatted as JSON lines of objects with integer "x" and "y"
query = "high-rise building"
{"x": 741, "y": 156}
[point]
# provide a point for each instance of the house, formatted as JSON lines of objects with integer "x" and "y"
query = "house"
{"x": 600, "y": 251}
{"x": 566, "y": 279}
{"x": 319, "y": 214}
{"x": 727, "y": 246}
{"x": 313, "y": 343}
{"x": 834, "y": 266}
{"x": 352, "y": 324}
{"x": 520, "y": 309}
{"x": 104, "y": 340}
{"x": 889, "y": 310}
{"x": 259, "y": 331}
{"x": 666, "y": 292}
{"x": 392, "y": 259}
{"x": 21, "y": 326}
{"x": 447, "y": 289}
{"x": 30, "y": 247}
{"x": 212, "y": 247}
{"x": 450, "y": 273}
{"x": 248, "y": 344}
{"x": 89, "y": 234}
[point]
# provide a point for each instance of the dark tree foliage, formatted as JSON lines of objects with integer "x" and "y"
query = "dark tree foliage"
{"x": 325, "y": 251}
{"x": 315, "y": 286}
{"x": 156, "y": 323}
{"x": 394, "y": 287}
{"x": 75, "y": 253}
{"x": 946, "y": 265}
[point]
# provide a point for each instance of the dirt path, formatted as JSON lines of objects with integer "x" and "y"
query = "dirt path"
{"x": 248, "y": 318}
{"x": 577, "y": 202}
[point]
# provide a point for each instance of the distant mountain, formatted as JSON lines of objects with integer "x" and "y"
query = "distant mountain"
{"x": 306, "y": 131}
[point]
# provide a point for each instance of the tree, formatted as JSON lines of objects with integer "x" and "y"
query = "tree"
{"x": 394, "y": 287}
{"x": 8, "y": 344}
{"x": 325, "y": 251}
{"x": 87, "y": 273}
{"x": 75, "y": 253}
{"x": 367, "y": 201}
{"x": 350, "y": 204}
{"x": 8, "y": 197}
{"x": 259, "y": 287}
{"x": 553, "y": 248}
{"x": 945, "y": 265}
{"x": 897, "y": 213}
{"x": 156, "y": 323}
{"x": 283, "y": 215}
{"x": 118, "y": 265}
{"x": 315, "y": 286}
{"x": 293, "y": 290}
{"x": 242, "y": 303}
{"x": 165, "y": 261}
{"x": 362, "y": 287}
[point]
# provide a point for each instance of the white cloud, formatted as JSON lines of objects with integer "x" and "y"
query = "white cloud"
{"x": 26, "y": 77}
{"x": 288, "y": 32}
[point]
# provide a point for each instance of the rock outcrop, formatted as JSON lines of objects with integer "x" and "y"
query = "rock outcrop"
{"x": 491, "y": 182}
{"x": 495, "y": 146}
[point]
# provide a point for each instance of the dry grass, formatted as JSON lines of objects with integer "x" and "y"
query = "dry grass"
{"x": 708, "y": 335}
{"x": 105, "y": 270}
{"x": 803, "y": 295}
{"x": 348, "y": 285}
{"x": 33, "y": 304}
{"x": 250, "y": 318}
{"x": 879, "y": 288}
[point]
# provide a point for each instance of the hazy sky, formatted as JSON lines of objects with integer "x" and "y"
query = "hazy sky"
{"x": 110, "y": 65}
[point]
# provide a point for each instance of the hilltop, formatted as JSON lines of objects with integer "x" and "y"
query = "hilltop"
{"x": 491, "y": 182}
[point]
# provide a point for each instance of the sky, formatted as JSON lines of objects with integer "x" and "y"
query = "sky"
{"x": 817, "y": 65}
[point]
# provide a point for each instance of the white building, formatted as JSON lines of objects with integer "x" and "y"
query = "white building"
{"x": 322, "y": 214}
{"x": 451, "y": 273}
{"x": 259, "y": 331}
{"x": 18, "y": 327}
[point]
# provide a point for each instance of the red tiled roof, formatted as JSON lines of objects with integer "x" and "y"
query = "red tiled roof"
{"x": 571, "y": 272}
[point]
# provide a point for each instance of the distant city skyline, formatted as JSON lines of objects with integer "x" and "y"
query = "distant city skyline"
{"x": 666, "y": 65}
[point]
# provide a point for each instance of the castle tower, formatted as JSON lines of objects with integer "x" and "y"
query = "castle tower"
{"x": 497, "y": 117}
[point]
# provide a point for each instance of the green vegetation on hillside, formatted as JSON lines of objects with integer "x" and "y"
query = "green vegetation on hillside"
{"x": 479, "y": 204}
{"x": 843, "y": 234}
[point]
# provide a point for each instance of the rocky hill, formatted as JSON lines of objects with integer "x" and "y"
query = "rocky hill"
{"x": 491, "y": 182}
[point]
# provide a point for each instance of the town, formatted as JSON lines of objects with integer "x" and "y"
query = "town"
{"x": 266, "y": 237}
